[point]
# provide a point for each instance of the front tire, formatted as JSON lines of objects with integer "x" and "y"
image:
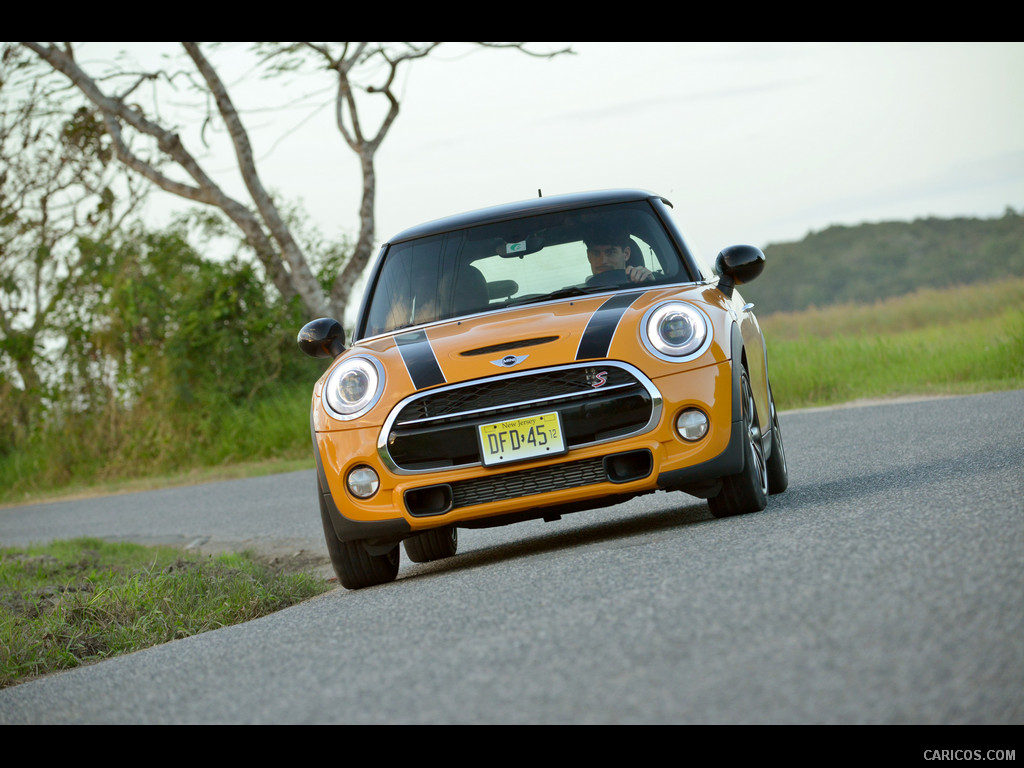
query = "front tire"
{"x": 354, "y": 566}
{"x": 778, "y": 471}
{"x": 435, "y": 544}
{"x": 746, "y": 491}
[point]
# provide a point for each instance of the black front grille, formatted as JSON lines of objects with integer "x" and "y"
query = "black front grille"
{"x": 523, "y": 483}
{"x": 595, "y": 403}
{"x": 528, "y": 482}
{"x": 503, "y": 391}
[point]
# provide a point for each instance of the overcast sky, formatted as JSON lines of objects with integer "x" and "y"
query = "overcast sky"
{"x": 751, "y": 142}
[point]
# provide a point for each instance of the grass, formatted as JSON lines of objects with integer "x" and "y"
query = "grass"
{"x": 74, "y": 602}
{"x": 957, "y": 341}
{"x": 926, "y": 308}
{"x": 151, "y": 449}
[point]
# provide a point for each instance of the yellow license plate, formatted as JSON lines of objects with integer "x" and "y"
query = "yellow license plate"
{"x": 521, "y": 438}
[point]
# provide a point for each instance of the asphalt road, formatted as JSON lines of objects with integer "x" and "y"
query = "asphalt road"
{"x": 886, "y": 586}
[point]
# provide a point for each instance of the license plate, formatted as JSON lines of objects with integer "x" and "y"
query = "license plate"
{"x": 521, "y": 438}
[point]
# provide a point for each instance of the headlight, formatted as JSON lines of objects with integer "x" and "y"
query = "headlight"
{"x": 353, "y": 387}
{"x": 676, "y": 331}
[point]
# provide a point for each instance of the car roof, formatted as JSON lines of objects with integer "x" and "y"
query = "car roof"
{"x": 530, "y": 207}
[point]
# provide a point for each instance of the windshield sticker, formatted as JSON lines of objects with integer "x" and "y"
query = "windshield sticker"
{"x": 515, "y": 247}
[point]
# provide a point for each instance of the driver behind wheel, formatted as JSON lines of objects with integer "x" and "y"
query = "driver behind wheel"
{"x": 610, "y": 252}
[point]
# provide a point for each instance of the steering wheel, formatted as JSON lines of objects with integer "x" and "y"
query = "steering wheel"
{"x": 609, "y": 278}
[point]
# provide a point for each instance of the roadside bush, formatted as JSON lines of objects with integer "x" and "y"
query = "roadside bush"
{"x": 171, "y": 361}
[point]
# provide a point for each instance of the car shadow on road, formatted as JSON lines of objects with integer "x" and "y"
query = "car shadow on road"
{"x": 629, "y": 521}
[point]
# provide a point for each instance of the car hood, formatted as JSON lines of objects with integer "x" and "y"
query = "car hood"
{"x": 603, "y": 326}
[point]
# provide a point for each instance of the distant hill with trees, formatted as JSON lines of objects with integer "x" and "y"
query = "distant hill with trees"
{"x": 864, "y": 263}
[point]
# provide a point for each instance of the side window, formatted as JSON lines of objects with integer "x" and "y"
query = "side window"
{"x": 655, "y": 252}
{"x": 644, "y": 256}
{"x": 407, "y": 286}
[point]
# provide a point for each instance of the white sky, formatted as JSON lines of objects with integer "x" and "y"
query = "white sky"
{"x": 751, "y": 142}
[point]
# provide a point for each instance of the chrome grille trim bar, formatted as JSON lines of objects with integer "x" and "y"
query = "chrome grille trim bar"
{"x": 520, "y": 404}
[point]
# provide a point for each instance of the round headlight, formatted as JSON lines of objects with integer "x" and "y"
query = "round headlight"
{"x": 676, "y": 330}
{"x": 353, "y": 387}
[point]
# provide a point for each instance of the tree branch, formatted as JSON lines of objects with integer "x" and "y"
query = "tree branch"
{"x": 521, "y": 47}
{"x": 206, "y": 190}
{"x": 302, "y": 278}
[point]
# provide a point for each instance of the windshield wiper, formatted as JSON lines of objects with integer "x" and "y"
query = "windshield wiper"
{"x": 561, "y": 293}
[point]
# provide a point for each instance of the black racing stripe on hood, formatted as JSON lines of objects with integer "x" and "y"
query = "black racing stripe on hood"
{"x": 419, "y": 359}
{"x": 597, "y": 338}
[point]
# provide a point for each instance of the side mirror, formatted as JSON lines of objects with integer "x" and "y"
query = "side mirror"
{"x": 738, "y": 264}
{"x": 323, "y": 337}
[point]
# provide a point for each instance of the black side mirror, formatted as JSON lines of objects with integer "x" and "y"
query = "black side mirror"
{"x": 323, "y": 337}
{"x": 738, "y": 264}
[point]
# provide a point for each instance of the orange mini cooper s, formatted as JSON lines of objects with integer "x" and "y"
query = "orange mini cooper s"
{"x": 535, "y": 359}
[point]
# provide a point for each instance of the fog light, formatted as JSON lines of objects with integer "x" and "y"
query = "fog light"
{"x": 363, "y": 482}
{"x": 692, "y": 424}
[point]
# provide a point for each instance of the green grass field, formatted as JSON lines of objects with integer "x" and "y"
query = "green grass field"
{"x": 956, "y": 341}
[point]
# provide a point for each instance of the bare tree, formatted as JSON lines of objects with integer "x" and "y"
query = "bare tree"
{"x": 361, "y": 69}
{"x": 369, "y": 69}
{"x": 283, "y": 260}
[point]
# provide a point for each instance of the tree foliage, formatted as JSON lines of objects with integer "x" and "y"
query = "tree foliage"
{"x": 56, "y": 187}
{"x": 169, "y": 359}
{"x": 868, "y": 262}
{"x": 184, "y": 330}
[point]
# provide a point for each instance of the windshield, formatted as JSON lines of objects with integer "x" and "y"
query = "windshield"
{"x": 517, "y": 262}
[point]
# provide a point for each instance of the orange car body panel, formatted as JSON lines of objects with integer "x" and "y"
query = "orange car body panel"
{"x": 705, "y": 382}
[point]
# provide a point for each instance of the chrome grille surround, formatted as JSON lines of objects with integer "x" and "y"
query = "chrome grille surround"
{"x": 474, "y": 399}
